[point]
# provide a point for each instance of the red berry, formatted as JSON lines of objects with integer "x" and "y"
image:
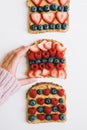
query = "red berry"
{"x": 42, "y": 66}
{"x": 60, "y": 66}
{"x": 60, "y": 54}
{"x": 52, "y": 52}
{"x": 55, "y": 117}
{"x": 33, "y": 93}
{"x": 31, "y": 56}
{"x": 34, "y": 67}
{"x": 45, "y": 54}
{"x": 38, "y": 55}
{"x": 50, "y": 65}
{"x": 62, "y": 108}
{"x": 61, "y": 92}
{"x": 46, "y": 91}
{"x": 41, "y": 116}
{"x": 32, "y": 110}
{"x": 40, "y": 101}
{"x": 54, "y": 101}
{"x": 47, "y": 110}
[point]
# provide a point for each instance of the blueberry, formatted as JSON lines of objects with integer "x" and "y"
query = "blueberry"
{"x": 56, "y": 61}
{"x": 50, "y": 59}
{"x": 54, "y": 108}
{"x": 46, "y": 8}
{"x": 45, "y": 26}
{"x": 32, "y": 117}
{"x": 48, "y": 117}
{"x": 53, "y": 7}
{"x": 33, "y": 27}
{"x": 66, "y": 8}
{"x": 40, "y": 109}
{"x": 38, "y": 61}
{"x": 60, "y": 8}
{"x": 31, "y": 62}
{"x": 40, "y": 27}
{"x": 52, "y": 26}
{"x": 62, "y": 117}
{"x": 47, "y": 100}
{"x": 62, "y": 60}
{"x": 39, "y": 91}
{"x": 61, "y": 100}
{"x": 58, "y": 26}
{"x": 44, "y": 60}
{"x": 32, "y": 102}
{"x": 64, "y": 26}
{"x": 53, "y": 90}
{"x": 40, "y": 9}
{"x": 33, "y": 8}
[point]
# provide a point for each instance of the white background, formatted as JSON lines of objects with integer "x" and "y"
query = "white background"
{"x": 13, "y": 33}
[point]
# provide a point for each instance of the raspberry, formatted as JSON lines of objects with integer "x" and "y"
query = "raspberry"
{"x": 52, "y": 52}
{"x": 31, "y": 56}
{"x": 61, "y": 92}
{"x": 42, "y": 66}
{"x": 55, "y": 117}
{"x": 46, "y": 91}
{"x": 60, "y": 66}
{"x": 54, "y": 101}
{"x": 47, "y": 110}
{"x": 45, "y": 54}
{"x": 34, "y": 67}
{"x": 38, "y": 55}
{"x": 33, "y": 93}
{"x": 60, "y": 54}
{"x": 32, "y": 110}
{"x": 41, "y": 116}
{"x": 62, "y": 108}
{"x": 40, "y": 101}
{"x": 50, "y": 65}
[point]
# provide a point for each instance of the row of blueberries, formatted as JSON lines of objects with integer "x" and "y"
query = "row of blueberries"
{"x": 47, "y": 8}
{"x": 49, "y": 26}
{"x": 48, "y": 117}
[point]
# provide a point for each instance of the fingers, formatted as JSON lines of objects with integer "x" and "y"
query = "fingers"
{"x": 26, "y": 81}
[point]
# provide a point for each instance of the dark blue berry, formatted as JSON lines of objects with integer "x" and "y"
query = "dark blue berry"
{"x": 45, "y": 26}
{"x": 39, "y": 91}
{"x": 38, "y": 61}
{"x": 47, "y": 100}
{"x": 64, "y": 26}
{"x": 40, "y": 109}
{"x": 33, "y": 8}
{"x": 62, "y": 117}
{"x": 44, "y": 60}
{"x": 31, "y": 62}
{"x": 66, "y": 8}
{"x": 33, "y": 27}
{"x": 40, "y": 9}
{"x": 60, "y": 8}
{"x": 40, "y": 27}
{"x": 50, "y": 59}
{"x": 62, "y": 60}
{"x": 53, "y": 90}
{"x": 52, "y": 26}
{"x": 58, "y": 26}
{"x": 32, "y": 102}
{"x": 61, "y": 100}
{"x": 54, "y": 108}
{"x": 53, "y": 7}
{"x": 32, "y": 117}
{"x": 46, "y": 8}
{"x": 56, "y": 61}
{"x": 48, "y": 117}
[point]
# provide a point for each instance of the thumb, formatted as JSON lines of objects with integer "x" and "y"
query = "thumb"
{"x": 26, "y": 81}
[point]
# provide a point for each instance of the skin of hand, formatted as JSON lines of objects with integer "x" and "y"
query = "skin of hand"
{"x": 12, "y": 60}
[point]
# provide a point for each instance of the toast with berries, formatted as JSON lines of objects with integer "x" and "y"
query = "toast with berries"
{"x": 48, "y": 15}
{"x": 46, "y": 58}
{"x": 46, "y": 102}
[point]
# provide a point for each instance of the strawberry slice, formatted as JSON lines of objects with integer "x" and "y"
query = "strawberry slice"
{"x": 38, "y": 73}
{"x": 41, "y": 45}
{"x": 54, "y": 73}
{"x": 34, "y": 48}
{"x": 62, "y": 16}
{"x": 50, "y": 1}
{"x": 62, "y": 74}
{"x": 48, "y": 17}
{"x": 36, "y": 18}
{"x": 59, "y": 47}
{"x": 31, "y": 74}
{"x": 37, "y": 2}
{"x": 63, "y": 2}
{"x": 48, "y": 45}
{"x": 45, "y": 72}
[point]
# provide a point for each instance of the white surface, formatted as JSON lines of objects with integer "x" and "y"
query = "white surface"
{"x": 13, "y": 33}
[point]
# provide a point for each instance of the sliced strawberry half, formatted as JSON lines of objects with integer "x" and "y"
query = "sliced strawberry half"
{"x": 31, "y": 73}
{"x": 62, "y": 16}
{"x": 45, "y": 72}
{"x": 60, "y": 47}
{"x": 38, "y": 73}
{"x": 36, "y": 18}
{"x": 63, "y": 2}
{"x": 41, "y": 45}
{"x": 54, "y": 73}
{"x": 48, "y": 45}
{"x": 48, "y": 17}
{"x": 34, "y": 48}
{"x": 62, "y": 74}
{"x": 37, "y": 2}
{"x": 50, "y": 1}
